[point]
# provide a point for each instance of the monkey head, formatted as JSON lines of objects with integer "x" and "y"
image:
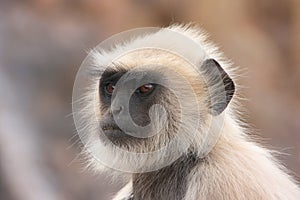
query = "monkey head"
{"x": 150, "y": 100}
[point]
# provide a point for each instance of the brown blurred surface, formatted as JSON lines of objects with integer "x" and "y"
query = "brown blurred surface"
{"x": 43, "y": 42}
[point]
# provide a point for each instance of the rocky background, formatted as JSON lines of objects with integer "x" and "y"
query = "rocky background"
{"x": 43, "y": 42}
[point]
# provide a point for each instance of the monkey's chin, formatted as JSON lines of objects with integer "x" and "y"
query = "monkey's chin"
{"x": 118, "y": 137}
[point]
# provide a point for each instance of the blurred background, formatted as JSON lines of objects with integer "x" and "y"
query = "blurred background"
{"x": 43, "y": 42}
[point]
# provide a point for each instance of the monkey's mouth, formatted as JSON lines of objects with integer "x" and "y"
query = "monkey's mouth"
{"x": 110, "y": 127}
{"x": 113, "y": 133}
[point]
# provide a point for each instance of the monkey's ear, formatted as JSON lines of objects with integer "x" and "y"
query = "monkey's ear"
{"x": 220, "y": 86}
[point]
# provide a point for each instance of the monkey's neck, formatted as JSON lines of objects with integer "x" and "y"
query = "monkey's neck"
{"x": 168, "y": 183}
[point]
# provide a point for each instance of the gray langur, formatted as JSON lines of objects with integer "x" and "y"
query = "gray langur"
{"x": 158, "y": 94}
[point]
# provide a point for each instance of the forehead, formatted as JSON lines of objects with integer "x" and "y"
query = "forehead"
{"x": 158, "y": 57}
{"x": 160, "y": 60}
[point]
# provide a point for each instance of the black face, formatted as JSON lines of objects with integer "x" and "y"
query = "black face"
{"x": 142, "y": 93}
{"x": 144, "y": 96}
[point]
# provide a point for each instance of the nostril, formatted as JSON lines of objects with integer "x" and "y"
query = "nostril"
{"x": 117, "y": 110}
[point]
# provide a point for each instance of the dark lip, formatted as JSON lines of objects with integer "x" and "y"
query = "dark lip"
{"x": 110, "y": 127}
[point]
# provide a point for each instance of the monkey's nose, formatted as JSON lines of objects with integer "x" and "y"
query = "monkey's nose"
{"x": 117, "y": 110}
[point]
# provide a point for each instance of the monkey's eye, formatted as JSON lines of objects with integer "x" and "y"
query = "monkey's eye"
{"x": 146, "y": 89}
{"x": 109, "y": 88}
